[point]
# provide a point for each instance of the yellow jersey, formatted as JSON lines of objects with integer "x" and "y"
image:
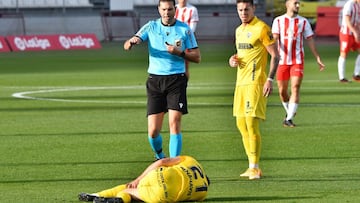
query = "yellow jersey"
{"x": 251, "y": 42}
{"x": 185, "y": 181}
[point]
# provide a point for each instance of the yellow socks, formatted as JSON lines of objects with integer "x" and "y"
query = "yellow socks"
{"x": 112, "y": 192}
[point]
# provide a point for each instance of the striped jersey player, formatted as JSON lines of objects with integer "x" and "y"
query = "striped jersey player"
{"x": 290, "y": 30}
{"x": 349, "y": 38}
{"x": 187, "y": 13}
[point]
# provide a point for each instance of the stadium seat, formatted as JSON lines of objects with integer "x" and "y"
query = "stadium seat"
{"x": 8, "y": 4}
{"x": 44, "y": 3}
{"x": 54, "y": 3}
{"x": 145, "y": 2}
{"x": 211, "y": 2}
{"x": 77, "y": 3}
{"x": 195, "y": 2}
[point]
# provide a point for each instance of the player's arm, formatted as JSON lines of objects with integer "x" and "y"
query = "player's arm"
{"x": 192, "y": 55}
{"x": 311, "y": 43}
{"x": 193, "y": 25}
{"x": 274, "y": 62}
{"x": 131, "y": 42}
{"x": 194, "y": 19}
{"x": 276, "y": 37}
{"x": 153, "y": 166}
{"x": 353, "y": 29}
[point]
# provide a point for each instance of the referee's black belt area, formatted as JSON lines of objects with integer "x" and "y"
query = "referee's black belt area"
{"x": 178, "y": 74}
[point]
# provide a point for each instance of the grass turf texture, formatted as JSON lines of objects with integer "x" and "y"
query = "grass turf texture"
{"x": 93, "y": 139}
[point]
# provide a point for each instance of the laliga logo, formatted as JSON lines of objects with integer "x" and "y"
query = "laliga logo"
{"x": 22, "y": 43}
{"x": 79, "y": 41}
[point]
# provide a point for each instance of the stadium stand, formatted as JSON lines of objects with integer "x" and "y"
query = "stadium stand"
{"x": 9, "y": 4}
{"x": 145, "y": 2}
{"x": 211, "y": 2}
{"x": 195, "y": 2}
{"x": 155, "y": 2}
{"x": 218, "y": 18}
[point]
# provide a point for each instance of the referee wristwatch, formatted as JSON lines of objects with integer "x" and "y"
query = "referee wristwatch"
{"x": 182, "y": 54}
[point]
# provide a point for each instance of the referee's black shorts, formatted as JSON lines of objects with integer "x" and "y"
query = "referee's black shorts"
{"x": 166, "y": 92}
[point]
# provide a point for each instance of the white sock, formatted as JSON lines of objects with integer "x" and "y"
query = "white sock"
{"x": 286, "y": 106}
{"x": 253, "y": 165}
{"x": 341, "y": 67}
{"x": 357, "y": 66}
{"x": 292, "y": 110}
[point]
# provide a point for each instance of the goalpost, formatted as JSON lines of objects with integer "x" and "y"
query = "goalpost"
{"x": 12, "y": 24}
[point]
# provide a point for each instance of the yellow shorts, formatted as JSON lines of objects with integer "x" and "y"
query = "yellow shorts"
{"x": 156, "y": 186}
{"x": 249, "y": 101}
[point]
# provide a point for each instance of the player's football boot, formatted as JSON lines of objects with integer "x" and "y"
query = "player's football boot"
{"x": 246, "y": 173}
{"x": 255, "y": 173}
{"x": 288, "y": 123}
{"x": 85, "y": 197}
{"x": 252, "y": 173}
{"x": 356, "y": 78}
{"x": 344, "y": 80}
{"x": 107, "y": 200}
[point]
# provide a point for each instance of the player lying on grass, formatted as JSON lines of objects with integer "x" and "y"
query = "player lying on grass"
{"x": 176, "y": 179}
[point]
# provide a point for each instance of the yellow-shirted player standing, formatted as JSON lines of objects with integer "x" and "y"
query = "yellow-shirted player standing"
{"x": 254, "y": 42}
{"x": 176, "y": 179}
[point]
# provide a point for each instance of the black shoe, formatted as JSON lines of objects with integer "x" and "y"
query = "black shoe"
{"x": 85, "y": 197}
{"x": 288, "y": 123}
{"x": 108, "y": 200}
{"x": 344, "y": 80}
{"x": 356, "y": 78}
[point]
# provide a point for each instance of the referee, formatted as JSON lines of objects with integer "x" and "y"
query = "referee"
{"x": 166, "y": 85}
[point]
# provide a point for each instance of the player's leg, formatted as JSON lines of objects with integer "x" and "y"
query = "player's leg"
{"x": 121, "y": 197}
{"x": 112, "y": 192}
{"x": 345, "y": 44}
{"x": 97, "y": 197}
{"x": 242, "y": 127}
{"x": 177, "y": 105}
{"x": 283, "y": 76}
{"x": 156, "y": 108}
{"x": 356, "y": 76}
{"x": 296, "y": 74}
{"x": 175, "y": 143}
{"x": 155, "y": 139}
{"x": 295, "y": 97}
{"x": 254, "y": 139}
{"x": 283, "y": 93}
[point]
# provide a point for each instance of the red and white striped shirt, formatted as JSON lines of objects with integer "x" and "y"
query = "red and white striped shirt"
{"x": 352, "y": 9}
{"x": 292, "y": 32}
{"x": 188, "y": 15}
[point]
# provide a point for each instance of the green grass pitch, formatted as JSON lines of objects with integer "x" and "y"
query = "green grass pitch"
{"x": 81, "y": 127}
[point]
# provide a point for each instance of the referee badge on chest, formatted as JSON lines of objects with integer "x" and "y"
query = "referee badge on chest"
{"x": 178, "y": 43}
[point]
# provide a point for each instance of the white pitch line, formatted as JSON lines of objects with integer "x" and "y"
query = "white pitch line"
{"x": 44, "y": 90}
{"x": 25, "y": 95}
